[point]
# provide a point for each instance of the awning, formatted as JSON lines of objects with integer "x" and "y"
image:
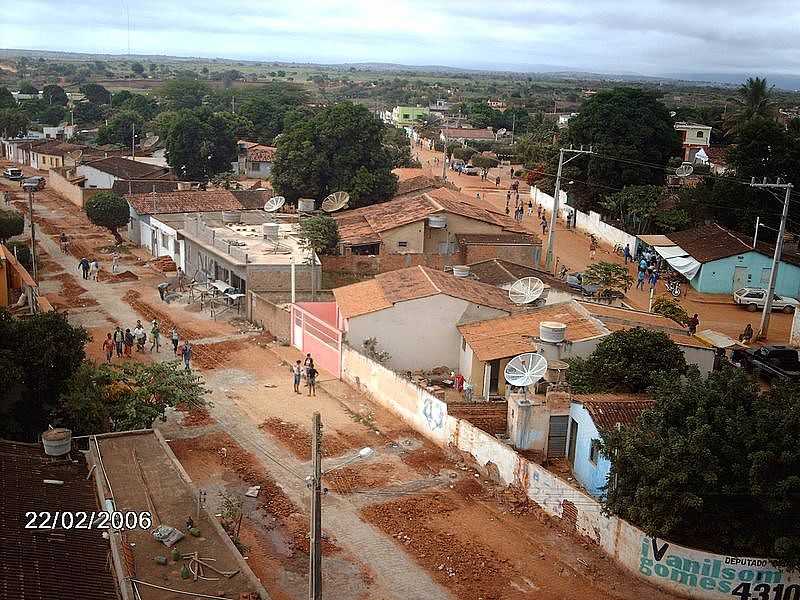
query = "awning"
{"x": 685, "y": 265}
{"x": 656, "y": 240}
{"x": 716, "y": 339}
{"x": 668, "y": 252}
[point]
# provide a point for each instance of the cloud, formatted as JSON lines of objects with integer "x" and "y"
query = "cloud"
{"x": 649, "y": 36}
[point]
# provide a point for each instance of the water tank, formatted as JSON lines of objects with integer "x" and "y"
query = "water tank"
{"x": 270, "y": 231}
{"x": 461, "y": 270}
{"x": 305, "y": 205}
{"x": 230, "y": 216}
{"x": 57, "y": 442}
{"x": 437, "y": 221}
{"x": 184, "y": 186}
{"x": 556, "y": 371}
{"x": 552, "y": 331}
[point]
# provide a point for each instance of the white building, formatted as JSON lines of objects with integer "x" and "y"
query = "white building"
{"x": 693, "y": 137}
{"x": 102, "y": 173}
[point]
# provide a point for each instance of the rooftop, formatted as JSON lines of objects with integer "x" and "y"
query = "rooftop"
{"x": 608, "y": 410}
{"x": 123, "y": 168}
{"x": 44, "y": 564}
{"x": 499, "y": 239}
{"x": 252, "y": 199}
{"x": 498, "y": 272}
{"x": 710, "y": 242}
{"x": 143, "y": 186}
{"x": 413, "y": 283}
{"x": 512, "y": 335}
{"x": 188, "y": 201}
{"x": 471, "y": 134}
{"x": 57, "y": 148}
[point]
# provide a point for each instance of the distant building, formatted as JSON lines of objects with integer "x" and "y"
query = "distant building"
{"x": 693, "y": 137}
{"x": 54, "y": 154}
{"x": 563, "y": 120}
{"x": 440, "y": 106}
{"x": 406, "y": 116}
{"x": 496, "y": 104}
{"x": 102, "y": 173}
{"x": 254, "y": 160}
{"x": 464, "y": 135}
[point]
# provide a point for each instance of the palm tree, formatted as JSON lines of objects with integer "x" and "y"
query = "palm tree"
{"x": 754, "y": 101}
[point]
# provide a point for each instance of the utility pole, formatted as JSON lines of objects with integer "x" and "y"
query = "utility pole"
{"x": 315, "y": 545}
{"x": 133, "y": 141}
{"x": 551, "y": 233}
{"x": 513, "y": 126}
{"x": 444, "y": 159}
{"x": 776, "y": 259}
{"x": 29, "y": 189}
{"x": 755, "y": 237}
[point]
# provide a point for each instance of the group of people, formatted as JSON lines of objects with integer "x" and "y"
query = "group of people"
{"x": 305, "y": 370}
{"x": 88, "y": 268}
{"x": 122, "y": 342}
{"x": 648, "y": 272}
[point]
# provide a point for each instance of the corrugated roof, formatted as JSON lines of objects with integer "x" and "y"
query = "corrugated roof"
{"x": 143, "y": 186}
{"x": 509, "y": 336}
{"x": 499, "y": 272}
{"x": 608, "y": 410}
{"x": 186, "y": 201}
{"x": 411, "y": 284}
{"x": 49, "y": 564}
{"x": 124, "y": 168}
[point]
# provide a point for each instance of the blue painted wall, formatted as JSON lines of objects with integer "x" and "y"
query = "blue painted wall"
{"x": 716, "y": 277}
{"x": 591, "y": 476}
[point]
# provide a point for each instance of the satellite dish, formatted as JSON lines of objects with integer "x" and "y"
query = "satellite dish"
{"x": 525, "y": 369}
{"x": 502, "y": 131}
{"x": 684, "y": 170}
{"x": 274, "y": 203}
{"x": 335, "y": 201}
{"x": 526, "y": 290}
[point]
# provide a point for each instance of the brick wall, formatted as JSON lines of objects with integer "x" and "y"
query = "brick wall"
{"x": 270, "y": 278}
{"x": 523, "y": 255}
{"x": 275, "y": 319}
{"x": 372, "y": 265}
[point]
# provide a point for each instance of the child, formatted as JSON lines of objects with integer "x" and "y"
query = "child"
{"x": 311, "y": 374}
{"x": 297, "y": 372}
{"x": 108, "y": 346}
{"x": 128, "y": 343}
{"x": 175, "y": 339}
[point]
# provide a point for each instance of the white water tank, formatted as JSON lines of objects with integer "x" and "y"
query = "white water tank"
{"x": 57, "y": 442}
{"x": 184, "y": 186}
{"x": 270, "y": 231}
{"x": 305, "y": 205}
{"x": 552, "y": 331}
{"x": 437, "y": 221}
{"x": 230, "y": 216}
{"x": 461, "y": 270}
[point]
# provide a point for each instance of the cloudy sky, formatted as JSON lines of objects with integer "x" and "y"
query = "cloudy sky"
{"x": 643, "y": 36}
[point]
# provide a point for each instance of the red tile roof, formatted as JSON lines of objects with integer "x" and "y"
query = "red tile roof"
{"x": 468, "y": 134}
{"x": 57, "y": 148}
{"x": 607, "y": 410}
{"x": 710, "y": 242}
{"x": 49, "y": 564}
{"x": 496, "y": 271}
{"x": 499, "y": 239}
{"x": 188, "y": 201}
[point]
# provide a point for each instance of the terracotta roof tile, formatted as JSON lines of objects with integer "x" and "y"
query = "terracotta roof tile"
{"x": 124, "y": 168}
{"x": 261, "y": 153}
{"x": 187, "y": 201}
{"x": 360, "y": 298}
{"x": 509, "y": 336}
{"x": 499, "y": 239}
{"x": 58, "y": 148}
{"x": 468, "y": 134}
{"x": 607, "y": 410}
{"x": 710, "y": 242}
{"x": 143, "y": 186}
{"x": 498, "y": 272}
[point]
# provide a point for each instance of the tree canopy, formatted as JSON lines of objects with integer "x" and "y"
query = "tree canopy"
{"x": 200, "y": 144}
{"x": 7, "y": 99}
{"x": 54, "y": 94}
{"x": 108, "y": 210}
{"x": 714, "y": 464}
{"x": 612, "y": 278}
{"x": 120, "y": 128}
{"x": 339, "y": 148}
{"x": 754, "y": 100}
{"x": 96, "y": 93}
{"x": 184, "y": 93}
{"x": 26, "y": 87}
{"x": 320, "y": 233}
{"x": 13, "y": 122}
{"x": 11, "y": 223}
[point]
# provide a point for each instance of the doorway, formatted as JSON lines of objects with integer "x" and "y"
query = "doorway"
{"x": 739, "y": 278}
{"x": 573, "y": 437}
{"x": 494, "y": 376}
{"x": 557, "y": 437}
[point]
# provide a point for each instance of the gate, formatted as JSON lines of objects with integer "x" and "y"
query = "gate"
{"x": 557, "y": 437}
{"x": 313, "y": 333}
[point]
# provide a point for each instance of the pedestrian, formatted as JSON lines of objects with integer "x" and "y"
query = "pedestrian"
{"x": 747, "y": 334}
{"x": 478, "y": 196}
{"x": 94, "y": 269}
{"x": 186, "y": 353}
{"x": 642, "y": 264}
{"x": 114, "y": 263}
{"x": 108, "y": 346}
{"x": 155, "y": 332}
{"x": 507, "y": 210}
{"x": 128, "y": 343}
{"x": 538, "y": 211}
{"x": 497, "y": 181}
{"x": 530, "y": 207}
{"x": 297, "y": 373}
{"x": 307, "y": 363}
{"x": 508, "y": 196}
{"x": 83, "y": 267}
{"x": 592, "y": 251}
{"x": 693, "y": 323}
{"x": 544, "y": 226}
{"x": 311, "y": 376}
{"x": 141, "y": 337}
{"x": 626, "y": 253}
{"x": 162, "y": 290}
{"x": 64, "y": 242}
{"x": 173, "y": 334}
{"x": 511, "y": 173}
{"x": 653, "y": 280}
{"x": 180, "y": 279}
{"x": 640, "y": 281}
{"x": 7, "y": 197}
{"x": 119, "y": 340}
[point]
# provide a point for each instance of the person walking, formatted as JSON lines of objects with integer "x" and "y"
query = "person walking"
{"x": 7, "y": 197}
{"x": 507, "y": 210}
{"x": 311, "y": 376}
{"x": 692, "y": 324}
{"x": 119, "y": 340}
{"x": 114, "y": 263}
{"x": 108, "y": 347}
{"x": 530, "y": 208}
{"x": 83, "y": 267}
{"x": 538, "y": 211}
{"x": 653, "y": 280}
{"x": 155, "y": 332}
{"x": 626, "y": 253}
{"x": 497, "y": 181}
{"x": 297, "y": 373}
{"x": 186, "y": 353}
{"x": 173, "y": 334}
{"x": 508, "y": 196}
{"x": 642, "y": 265}
{"x": 128, "y": 343}
{"x": 640, "y": 281}
{"x": 592, "y": 247}
{"x": 544, "y": 225}
{"x": 94, "y": 269}
{"x": 63, "y": 241}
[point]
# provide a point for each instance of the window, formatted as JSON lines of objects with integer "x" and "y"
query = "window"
{"x": 463, "y": 343}
{"x": 402, "y": 244}
{"x": 164, "y": 241}
{"x": 594, "y": 451}
{"x": 699, "y": 134}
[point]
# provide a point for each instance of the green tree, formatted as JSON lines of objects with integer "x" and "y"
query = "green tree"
{"x": 320, "y": 233}
{"x": 339, "y": 148}
{"x": 628, "y": 123}
{"x": 145, "y": 106}
{"x": 613, "y": 279}
{"x": 11, "y": 223}
{"x": 396, "y": 142}
{"x": 163, "y": 122}
{"x": 754, "y": 101}
{"x": 239, "y": 127}
{"x": 13, "y": 122}
{"x": 96, "y": 93}
{"x": 626, "y": 361}
{"x": 7, "y": 99}
{"x": 137, "y": 68}
{"x": 736, "y": 491}
{"x": 634, "y": 207}
{"x": 464, "y": 153}
{"x": 120, "y": 128}
{"x": 670, "y": 308}
{"x": 184, "y": 93}
{"x": 121, "y": 97}
{"x": 200, "y": 145}
{"x": 109, "y": 210}
{"x": 26, "y": 87}
{"x": 52, "y": 115}
{"x": 54, "y": 95}
{"x": 484, "y": 162}
{"x": 86, "y": 112}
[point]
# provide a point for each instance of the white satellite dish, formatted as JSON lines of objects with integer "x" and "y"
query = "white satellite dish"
{"x": 525, "y": 369}
{"x": 274, "y": 203}
{"x": 335, "y": 201}
{"x": 502, "y": 131}
{"x": 526, "y": 290}
{"x": 684, "y": 170}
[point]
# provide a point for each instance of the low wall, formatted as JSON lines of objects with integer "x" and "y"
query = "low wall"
{"x": 591, "y": 223}
{"x": 680, "y": 570}
{"x": 372, "y": 265}
{"x": 273, "y": 318}
{"x": 75, "y": 194}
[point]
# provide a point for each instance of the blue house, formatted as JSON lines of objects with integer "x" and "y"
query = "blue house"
{"x": 588, "y": 416}
{"x": 716, "y": 260}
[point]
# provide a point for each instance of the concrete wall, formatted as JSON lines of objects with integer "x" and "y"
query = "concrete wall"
{"x": 592, "y": 476}
{"x": 372, "y": 265}
{"x": 275, "y": 319}
{"x": 702, "y": 357}
{"x": 680, "y": 570}
{"x": 96, "y": 178}
{"x": 716, "y": 277}
{"x": 75, "y": 194}
{"x": 412, "y": 234}
{"x": 522, "y": 255}
{"x": 420, "y": 333}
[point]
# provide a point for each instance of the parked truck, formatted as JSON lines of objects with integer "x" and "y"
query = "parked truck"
{"x": 769, "y": 362}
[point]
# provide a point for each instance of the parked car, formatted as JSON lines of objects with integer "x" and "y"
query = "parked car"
{"x": 457, "y": 164}
{"x": 13, "y": 174}
{"x": 470, "y": 170}
{"x": 755, "y": 298}
{"x": 37, "y": 180}
{"x": 769, "y": 362}
{"x": 575, "y": 282}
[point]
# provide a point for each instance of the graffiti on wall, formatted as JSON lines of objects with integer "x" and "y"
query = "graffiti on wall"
{"x": 435, "y": 413}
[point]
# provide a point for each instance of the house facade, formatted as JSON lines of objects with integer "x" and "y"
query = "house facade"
{"x": 693, "y": 137}
{"x": 406, "y": 116}
{"x": 464, "y": 135}
{"x": 103, "y": 172}
{"x": 55, "y": 154}
{"x": 254, "y": 160}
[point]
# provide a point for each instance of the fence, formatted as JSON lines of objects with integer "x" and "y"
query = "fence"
{"x": 684, "y": 571}
{"x": 275, "y": 319}
{"x": 590, "y": 223}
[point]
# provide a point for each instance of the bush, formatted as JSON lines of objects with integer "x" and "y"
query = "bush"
{"x": 671, "y": 309}
{"x": 23, "y": 253}
{"x": 11, "y": 223}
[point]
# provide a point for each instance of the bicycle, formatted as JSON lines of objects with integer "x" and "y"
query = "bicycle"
{"x": 673, "y": 287}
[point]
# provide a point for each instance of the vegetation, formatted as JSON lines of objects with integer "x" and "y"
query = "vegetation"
{"x": 6, "y": 99}
{"x": 109, "y": 210}
{"x": 670, "y": 308}
{"x": 120, "y": 128}
{"x": 626, "y": 361}
{"x": 96, "y": 93}
{"x": 13, "y": 122}
{"x": 320, "y": 233}
{"x": 54, "y": 95}
{"x": 200, "y": 144}
{"x": 754, "y": 101}
{"x": 714, "y": 464}
{"x": 613, "y": 279}
{"x": 11, "y": 223}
